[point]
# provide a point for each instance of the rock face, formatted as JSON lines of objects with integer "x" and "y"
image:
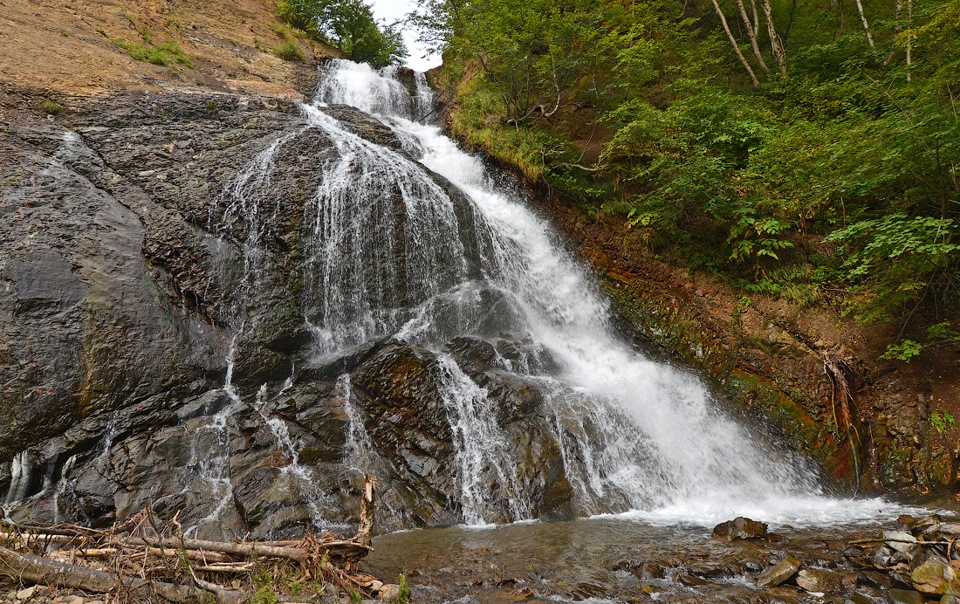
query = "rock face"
{"x": 155, "y": 351}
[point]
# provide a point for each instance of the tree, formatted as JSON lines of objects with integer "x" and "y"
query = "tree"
{"x": 350, "y": 26}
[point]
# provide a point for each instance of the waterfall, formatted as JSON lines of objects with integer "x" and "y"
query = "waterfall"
{"x": 634, "y": 434}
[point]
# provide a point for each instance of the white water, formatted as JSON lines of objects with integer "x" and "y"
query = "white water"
{"x": 634, "y": 434}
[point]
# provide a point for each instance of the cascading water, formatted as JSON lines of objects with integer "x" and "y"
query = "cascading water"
{"x": 634, "y": 434}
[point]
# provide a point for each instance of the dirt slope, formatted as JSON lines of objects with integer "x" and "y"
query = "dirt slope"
{"x": 58, "y": 48}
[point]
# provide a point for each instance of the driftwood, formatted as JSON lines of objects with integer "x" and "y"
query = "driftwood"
{"x": 139, "y": 558}
{"x": 28, "y": 568}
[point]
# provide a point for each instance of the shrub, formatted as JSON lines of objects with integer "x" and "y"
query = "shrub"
{"x": 289, "y": 50}
{"x": 51, "y": 107}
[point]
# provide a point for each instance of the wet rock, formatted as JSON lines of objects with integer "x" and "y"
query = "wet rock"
{"x": 820, "y": 581}
{"x": 935, "y": 576}
{"x": 856, "y": 598}
{"x": 900, "y": 541}
{"x": 902, "y": 596}
{"x": 875, "y": 579}
{"x": 779, "y": 573}
{"x": 691, "y": 580}
{"x": 786, "y": 594}
{"x": 905, "y": 522}
{"x": 740, "y": 528}
{"x": 880, "y": 557}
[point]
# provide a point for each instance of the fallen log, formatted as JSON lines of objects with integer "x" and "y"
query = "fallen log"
{"x": 237, "y": 549}
{"x": 34, "y": 569}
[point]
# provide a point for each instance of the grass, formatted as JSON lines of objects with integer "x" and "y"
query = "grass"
{"x": 289, "y": 50}
{"x": 164, "y": 54}
{"x": 51, "y": 107}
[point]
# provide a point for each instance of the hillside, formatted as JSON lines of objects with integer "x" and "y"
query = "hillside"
{"x": 772, "y": 193}
{"x": 57, "y": 49}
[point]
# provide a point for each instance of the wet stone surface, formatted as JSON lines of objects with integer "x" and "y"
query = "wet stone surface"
{"x": 622, "y": 560}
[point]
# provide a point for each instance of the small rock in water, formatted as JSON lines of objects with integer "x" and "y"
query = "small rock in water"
{"x": 779, "y": 573}
{"x": 692, "y": 581}
{"x": 740, "y": 528}
{"x": 816, "y": 580}
{"x": 903, "y": 596}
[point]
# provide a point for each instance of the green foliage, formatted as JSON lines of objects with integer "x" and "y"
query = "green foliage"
{"x": 904, "y": 351}
{"x": 940, "y": 334}
{"x": 289, "y": 50}
{"x": 51, "y": 107}
{"x": 265, "y": 593}
{"x": 348, "y": 25}
{"x": 403, "y": 593}
{"x": 895, "y": 259}
{"x": 839, "y": 182}
{"x": 164, "y": 54}
{"x": 940, "y": 422}
{"x": 355, "y": 596}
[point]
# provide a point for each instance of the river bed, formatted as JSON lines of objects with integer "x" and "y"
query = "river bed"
{"x": 618, "y": 559}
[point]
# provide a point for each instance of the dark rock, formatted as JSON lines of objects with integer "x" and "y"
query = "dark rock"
{"x": 901, "y": 596}
{"x": 740, "y": 528}
{"x": 820, "y": 581}
{"x": 692, "y": 580}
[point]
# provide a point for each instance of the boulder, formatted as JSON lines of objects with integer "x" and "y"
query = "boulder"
{"x": 904, "y": 596}
{"x": 932, "y": 577}
{"x": 779, "y": 573}
{"x": 817, "y": 580}
{"x": 740, "y": 528}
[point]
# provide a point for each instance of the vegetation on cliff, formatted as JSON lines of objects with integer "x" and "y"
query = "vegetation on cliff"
{"x": 807, "y": 150}
{"x": 349, "y": 25}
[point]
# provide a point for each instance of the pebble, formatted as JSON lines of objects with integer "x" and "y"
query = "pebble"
{"x": 26, "y": 593}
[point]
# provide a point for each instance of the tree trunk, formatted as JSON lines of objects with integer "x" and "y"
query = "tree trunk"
{"x": 752, "y": 34}
{"x": 778, "y": 52}
{"x": 866, "y": 26}
{"x": 364, "y": 534}
{"x": 909, "y": 26}
{"x": 736, "y": 47}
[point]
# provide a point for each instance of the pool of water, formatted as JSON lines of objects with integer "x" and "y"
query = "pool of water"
{"x": 613, "y": 559}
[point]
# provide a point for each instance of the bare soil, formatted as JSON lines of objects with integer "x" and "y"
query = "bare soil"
{"x": 65, "y": 48}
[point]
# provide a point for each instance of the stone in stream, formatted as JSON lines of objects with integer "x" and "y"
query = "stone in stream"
{"x": 935, "y": 576}
{"x": 740, "y": 528}
{"x": 817, "y": 580}
{"x": 903, "y": 596}
{"x": 899, "y": 540}
{"x": 779, "y": 573}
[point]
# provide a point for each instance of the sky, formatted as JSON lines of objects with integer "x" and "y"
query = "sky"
{"x": 393, "y": 10}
